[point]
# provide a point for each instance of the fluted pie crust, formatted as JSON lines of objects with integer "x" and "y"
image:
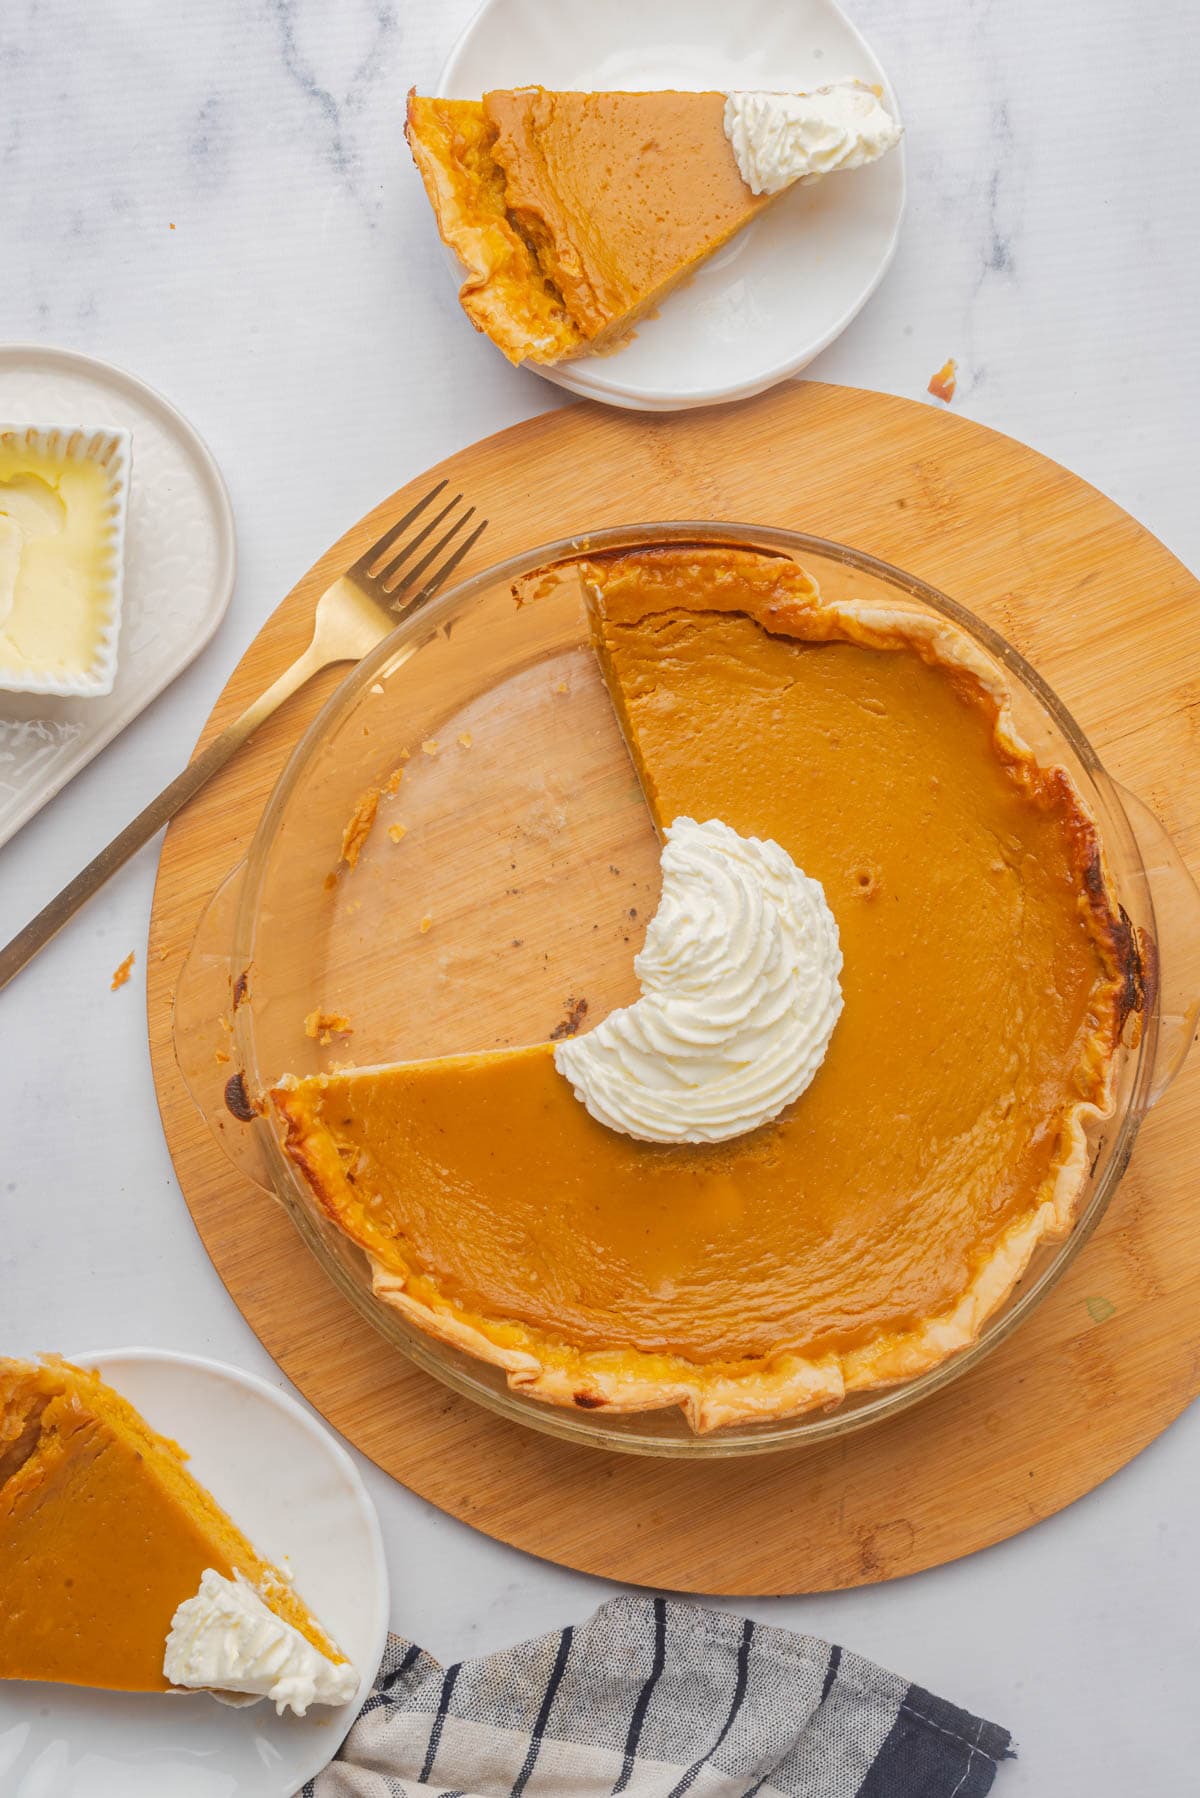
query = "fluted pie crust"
{"x": 867, "y": 1233}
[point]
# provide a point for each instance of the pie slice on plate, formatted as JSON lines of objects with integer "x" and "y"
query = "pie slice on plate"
{"x": 118, "y": 1569}
{"x": 574, "y": 214}
{"x": 865, "y": 1232}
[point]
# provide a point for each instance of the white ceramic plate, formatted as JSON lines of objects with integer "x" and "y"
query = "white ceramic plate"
{"x": 297, "y": 1495}
{"x": 180, "y": 560}
{"x": 787, "y": 285}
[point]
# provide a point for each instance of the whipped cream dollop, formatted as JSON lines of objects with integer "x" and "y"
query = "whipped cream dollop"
{"x": 782, "y": 138}
{"x": 740, "y": 994}
{"x": 226, "y": 1637}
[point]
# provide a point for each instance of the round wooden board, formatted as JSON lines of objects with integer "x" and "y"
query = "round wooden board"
{"x": 1112, "y": 1356}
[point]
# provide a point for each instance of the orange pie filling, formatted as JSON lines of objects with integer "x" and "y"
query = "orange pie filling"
{"x": 868, "y": 1231}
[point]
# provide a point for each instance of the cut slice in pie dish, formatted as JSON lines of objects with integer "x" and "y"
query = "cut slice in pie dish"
{"x": 115, "y": 1561}
{"x": 865, "y": 1233}
{"x": 575, "y": 214}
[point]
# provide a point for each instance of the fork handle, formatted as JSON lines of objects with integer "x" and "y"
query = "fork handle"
{"x": 50, "y": 920}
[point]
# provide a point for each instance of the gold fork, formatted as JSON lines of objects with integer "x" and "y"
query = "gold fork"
{"x": 354, "y": 614}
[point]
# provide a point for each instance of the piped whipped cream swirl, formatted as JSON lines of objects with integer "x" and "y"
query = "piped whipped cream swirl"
{"x": 779, "y": 139}
{"x": 740, "y": 994}
{"x": 226, "y": 1637}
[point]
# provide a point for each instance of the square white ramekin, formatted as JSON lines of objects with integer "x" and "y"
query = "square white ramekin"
{"x": 112, "y": 450}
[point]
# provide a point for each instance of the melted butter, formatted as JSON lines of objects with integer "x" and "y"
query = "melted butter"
{"x": 55, "y": 559}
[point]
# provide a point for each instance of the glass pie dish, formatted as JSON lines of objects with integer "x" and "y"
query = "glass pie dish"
{"x": 503, "y": 880}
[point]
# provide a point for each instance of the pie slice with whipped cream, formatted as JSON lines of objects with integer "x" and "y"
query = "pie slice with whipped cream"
{"x": 881, "y": 1002}
{"x": 574, "y": 214}
{"x": 118, "y": 1569}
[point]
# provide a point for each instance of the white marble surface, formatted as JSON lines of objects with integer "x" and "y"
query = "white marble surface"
{"x": 1052, "y": 245}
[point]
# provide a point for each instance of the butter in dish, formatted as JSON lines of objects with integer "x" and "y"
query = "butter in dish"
{"x": 64, "y": 493}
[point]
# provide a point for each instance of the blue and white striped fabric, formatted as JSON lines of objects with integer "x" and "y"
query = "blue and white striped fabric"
{"x": 655, "y": 1699}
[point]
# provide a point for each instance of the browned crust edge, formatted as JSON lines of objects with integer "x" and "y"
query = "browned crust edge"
{"x": 504, "y": 294}
{"x": 717, "y": 1395}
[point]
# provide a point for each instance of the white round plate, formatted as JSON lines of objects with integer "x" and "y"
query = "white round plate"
{"x": 298, "y": 1496}
{"x": 180, "y": 560}
{"x": 787, "y": 285}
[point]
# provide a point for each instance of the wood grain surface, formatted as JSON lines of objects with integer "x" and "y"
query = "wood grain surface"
{"x": 1112, "y": 1355}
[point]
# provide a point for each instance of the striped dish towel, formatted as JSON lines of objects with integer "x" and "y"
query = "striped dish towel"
{"x": 655, "y": 1699}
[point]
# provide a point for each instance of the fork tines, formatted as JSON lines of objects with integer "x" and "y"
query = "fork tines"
{"x": 383, "y": 562}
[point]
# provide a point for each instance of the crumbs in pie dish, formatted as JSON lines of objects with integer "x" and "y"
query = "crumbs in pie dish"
{"x": 358, "y": 828}
{"x": 323, "y": 1026}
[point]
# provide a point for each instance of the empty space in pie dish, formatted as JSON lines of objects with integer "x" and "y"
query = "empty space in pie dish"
{"x": 788, "y": 284}
{"x": 502, "y": 887}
